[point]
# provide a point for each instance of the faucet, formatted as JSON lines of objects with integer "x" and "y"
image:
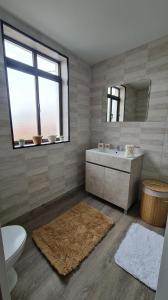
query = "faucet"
{"x": 120, "y": 147}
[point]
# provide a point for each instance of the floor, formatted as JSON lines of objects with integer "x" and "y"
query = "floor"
{"x": 97, "y": 278}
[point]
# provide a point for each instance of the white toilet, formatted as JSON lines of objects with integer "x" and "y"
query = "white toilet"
{"x": 14, "y": 238}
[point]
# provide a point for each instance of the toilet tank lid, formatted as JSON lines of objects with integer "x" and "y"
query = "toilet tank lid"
{"x": 13, "y": 237}
{"x": 156, "y": 185}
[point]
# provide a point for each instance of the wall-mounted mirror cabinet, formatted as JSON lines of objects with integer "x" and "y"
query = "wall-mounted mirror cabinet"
{"x": 128, "y": 102}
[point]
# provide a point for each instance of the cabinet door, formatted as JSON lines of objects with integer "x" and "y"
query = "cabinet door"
{"x": 116, "y": 187}
{"x": 94, "y": 179}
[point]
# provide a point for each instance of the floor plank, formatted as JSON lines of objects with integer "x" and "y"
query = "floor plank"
{"x": 97, "y": 278}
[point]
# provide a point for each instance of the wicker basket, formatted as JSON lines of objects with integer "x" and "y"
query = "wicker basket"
{"x": 154, "y": 202}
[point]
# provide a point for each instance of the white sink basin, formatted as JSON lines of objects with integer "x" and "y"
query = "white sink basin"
{"x": 111, "y": 158}
{"x": 114, "y": 152}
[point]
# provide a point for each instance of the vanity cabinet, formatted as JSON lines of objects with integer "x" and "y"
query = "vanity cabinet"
{"x": 118, "y": 185}
{"x": 95, "y": 185}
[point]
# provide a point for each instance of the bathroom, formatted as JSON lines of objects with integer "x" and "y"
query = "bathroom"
{"x": 40, "y": 183}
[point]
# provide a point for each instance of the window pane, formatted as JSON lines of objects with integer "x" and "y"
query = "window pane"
{"x": 18, "y": 53}
{"x": 23, "y": 104}
{"x": 49, "y": 107}
{"x": 47, "y": 65}
{"x": 115, "y": 92}
{"x": 114, "y": 111}
{"x": 109, "y": 90}
{"x": 108, "y": 118}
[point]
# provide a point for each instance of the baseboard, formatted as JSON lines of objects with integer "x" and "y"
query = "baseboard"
{"x": 27, "y": 215}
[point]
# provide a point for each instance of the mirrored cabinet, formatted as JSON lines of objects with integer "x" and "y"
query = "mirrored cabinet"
{"x": 128, "y": 101}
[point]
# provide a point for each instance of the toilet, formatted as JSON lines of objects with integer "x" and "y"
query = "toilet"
{"x": 14, "y": 238}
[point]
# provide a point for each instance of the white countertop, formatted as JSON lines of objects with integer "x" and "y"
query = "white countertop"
{"x": 115, "y": 153}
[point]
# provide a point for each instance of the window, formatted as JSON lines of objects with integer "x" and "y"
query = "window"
{"x": 113, "y": 104}
{"x": 38, "y": 88}
{"x": 16, "y": 52}
{"x": 23, "y": 104}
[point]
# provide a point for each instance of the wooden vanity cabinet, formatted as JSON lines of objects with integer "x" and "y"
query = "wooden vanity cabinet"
{"x": 117, "y": 186}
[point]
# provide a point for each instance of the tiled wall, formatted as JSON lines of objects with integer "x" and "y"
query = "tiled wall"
{"x": 130, "y": 104}
{"x": 141, "y": 104}
{"x": 151, "y": 62}
{"x": 31, "y": 177}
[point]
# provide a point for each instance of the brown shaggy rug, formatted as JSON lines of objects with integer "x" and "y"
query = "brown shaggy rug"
{"x": 69, "y": 238}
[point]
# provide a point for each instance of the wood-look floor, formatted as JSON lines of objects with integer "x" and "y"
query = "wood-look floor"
{"x": 97, "y": 278}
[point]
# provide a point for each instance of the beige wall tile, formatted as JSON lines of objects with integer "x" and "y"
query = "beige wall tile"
{"x": 148, "y": 61}
{"x": 34, "y": 176}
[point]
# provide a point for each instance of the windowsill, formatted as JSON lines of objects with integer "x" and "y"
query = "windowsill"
{"x": 42, "y": 144}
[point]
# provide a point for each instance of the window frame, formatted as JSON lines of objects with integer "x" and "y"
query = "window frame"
{"x": 33, "y": 70}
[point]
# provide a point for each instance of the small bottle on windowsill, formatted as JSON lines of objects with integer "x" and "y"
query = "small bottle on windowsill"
{"x": 100, "y": 146}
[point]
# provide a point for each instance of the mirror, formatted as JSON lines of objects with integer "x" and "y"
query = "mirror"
{"x": 128, "y": 102}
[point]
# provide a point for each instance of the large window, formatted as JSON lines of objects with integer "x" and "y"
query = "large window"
{"x": 38, "y": 86}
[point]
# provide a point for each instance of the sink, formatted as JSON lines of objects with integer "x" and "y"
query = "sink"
{"x": 114, "y": 152}
{"x": 112, "y": 158}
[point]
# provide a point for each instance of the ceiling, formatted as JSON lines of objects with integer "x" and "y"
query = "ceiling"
{"x": 95, "y": 29}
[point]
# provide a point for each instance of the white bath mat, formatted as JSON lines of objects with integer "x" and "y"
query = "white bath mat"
{"x": 140, "y": 254}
